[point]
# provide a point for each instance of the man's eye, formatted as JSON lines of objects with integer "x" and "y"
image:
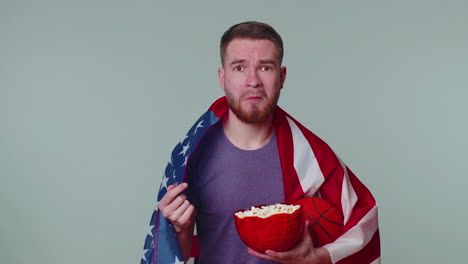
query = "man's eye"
{"x": 238, "y": 68}
{"x": 266, "y": 68}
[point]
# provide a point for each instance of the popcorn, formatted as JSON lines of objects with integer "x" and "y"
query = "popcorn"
{"x": 265, "y": 211}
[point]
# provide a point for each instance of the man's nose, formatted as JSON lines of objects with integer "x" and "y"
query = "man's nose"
{"x": 253, "y": 80}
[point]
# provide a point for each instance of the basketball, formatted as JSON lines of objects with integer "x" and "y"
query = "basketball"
{"x": 325, "y": 221}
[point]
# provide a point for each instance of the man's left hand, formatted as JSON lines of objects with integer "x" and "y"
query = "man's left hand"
{"x": 303, "y": 252}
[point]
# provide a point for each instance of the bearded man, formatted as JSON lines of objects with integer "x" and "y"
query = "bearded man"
{"x": 246, "y": 151}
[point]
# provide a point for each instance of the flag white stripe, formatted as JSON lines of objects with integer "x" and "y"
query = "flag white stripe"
{"x": 348, "y": 195}
{"x": 306, "y": 165}
{"x": 356, "y": 238}
{"x": 377, "y": 261}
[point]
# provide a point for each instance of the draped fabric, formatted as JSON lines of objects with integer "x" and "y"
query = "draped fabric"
{"x": 309, "y": 167}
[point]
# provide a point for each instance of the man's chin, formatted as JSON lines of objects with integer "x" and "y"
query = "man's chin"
{"x": 255, "y": 117}
{"x": 254, "y": 112}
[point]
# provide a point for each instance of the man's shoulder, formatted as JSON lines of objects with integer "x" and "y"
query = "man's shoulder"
{"x": 301, "y": 133}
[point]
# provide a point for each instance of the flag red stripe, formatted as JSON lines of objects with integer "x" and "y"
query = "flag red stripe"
{"x": 368, "y": 254}
{"x": 220, "y": 107}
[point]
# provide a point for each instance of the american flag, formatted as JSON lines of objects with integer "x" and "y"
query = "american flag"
{"x": 309, "y": 167}
{"x": 161, "y": 244}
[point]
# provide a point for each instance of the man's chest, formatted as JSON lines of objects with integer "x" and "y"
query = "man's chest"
{"x": 231, "y": 187}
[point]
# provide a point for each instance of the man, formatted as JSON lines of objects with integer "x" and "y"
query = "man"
{"x": 251, "y": 152}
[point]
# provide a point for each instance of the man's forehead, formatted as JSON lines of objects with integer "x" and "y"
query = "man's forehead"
{"x": 246, "y": 43}
{"x": 242, "y": 48}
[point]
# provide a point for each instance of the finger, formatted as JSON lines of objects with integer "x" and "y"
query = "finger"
{"x": 179, "y": 211}
{"x": 172, "y": 193}
{"x": 306, "y": 233}
{"x": 305, "y": 229}
{"x": 259, "y": 255}
{"x": 185, "y": 220}
{"x": 286, "y": 255}
{"x": 169, "y": 209}
{"x": 186, "y": 217}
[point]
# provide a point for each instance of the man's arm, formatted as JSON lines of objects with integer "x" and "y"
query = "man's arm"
{"x": 177, "y": 209}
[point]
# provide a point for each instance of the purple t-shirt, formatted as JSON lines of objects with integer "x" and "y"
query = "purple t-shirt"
{"x": 223, "y": 179}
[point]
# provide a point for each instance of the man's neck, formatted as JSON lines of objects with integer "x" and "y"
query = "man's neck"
{"x": 247, "y": 136}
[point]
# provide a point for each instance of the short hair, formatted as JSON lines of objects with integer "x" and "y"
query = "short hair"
{"x": 251, "y": 30}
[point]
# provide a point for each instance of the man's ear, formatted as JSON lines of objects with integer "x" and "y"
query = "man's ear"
{"x": 282, "y": 76}
{"x": 221, "y": 77}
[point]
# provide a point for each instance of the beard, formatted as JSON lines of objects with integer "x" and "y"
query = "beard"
{"x": 256, "y": 114}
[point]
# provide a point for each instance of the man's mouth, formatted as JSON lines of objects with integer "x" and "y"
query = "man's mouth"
{"x": 256, "y": 97}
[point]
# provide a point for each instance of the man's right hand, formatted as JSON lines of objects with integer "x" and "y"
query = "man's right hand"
{"x": 176, "y": 208}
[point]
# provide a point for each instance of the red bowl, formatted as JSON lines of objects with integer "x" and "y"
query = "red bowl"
{"x": 278, "y": 232}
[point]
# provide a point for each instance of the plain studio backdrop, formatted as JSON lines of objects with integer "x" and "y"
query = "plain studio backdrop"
{"x": 95, "y": 94}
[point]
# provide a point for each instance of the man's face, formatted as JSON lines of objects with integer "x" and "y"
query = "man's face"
{"x": 252, "y": 78}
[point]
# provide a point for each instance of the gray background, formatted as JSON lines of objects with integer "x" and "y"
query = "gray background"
{"x": 94, "y": 95}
